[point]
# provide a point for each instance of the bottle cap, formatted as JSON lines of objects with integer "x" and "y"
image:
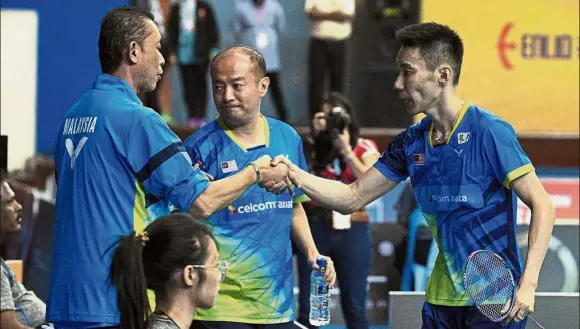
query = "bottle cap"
{"x": 321, "y": 261}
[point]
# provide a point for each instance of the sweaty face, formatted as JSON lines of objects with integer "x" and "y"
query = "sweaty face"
{"x": 11, "y": 210}
{"x": 417, "y": 85}
{"x": 208, "y": 288}
{"x": 237, "y": 91}
{"x": 149, "y": 64}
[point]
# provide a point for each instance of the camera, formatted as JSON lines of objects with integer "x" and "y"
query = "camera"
{"x": 337, "y": 120}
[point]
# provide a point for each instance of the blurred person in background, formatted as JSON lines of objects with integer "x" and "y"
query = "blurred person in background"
{"x": 330, "y": 28}
{"x": 115, "y": 159}
{"x": 194, "y": 40}
{"x": 258, "y": 24}
{"x": 19, "y": 308}
{"x": 175, "y": 256}
{"x": 336, "y": 151}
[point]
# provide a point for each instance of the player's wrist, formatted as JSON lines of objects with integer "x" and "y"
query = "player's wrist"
{"x": 256, "y": 172}
{"x": 528, "y": 282}
{"x": 313, "y": 254}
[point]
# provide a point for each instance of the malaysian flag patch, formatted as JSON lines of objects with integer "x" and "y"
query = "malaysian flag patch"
{"x": 229, "y": 166}
{"x": 419, "y": 159}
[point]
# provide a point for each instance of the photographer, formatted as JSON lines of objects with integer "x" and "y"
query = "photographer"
{"x": 335, "y": 151}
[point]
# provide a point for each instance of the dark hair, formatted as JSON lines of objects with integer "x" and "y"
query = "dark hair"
{"x": 337, "y": 99}
{"x": 437, "y": 44}
{"x": 255, "y": 56}
{"x": 119, "y": 27}
{"x": 142, "y": 262}
{"x": 3, "y": 176}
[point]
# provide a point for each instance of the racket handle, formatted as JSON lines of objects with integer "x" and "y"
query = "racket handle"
{"x": 535, "y": 321}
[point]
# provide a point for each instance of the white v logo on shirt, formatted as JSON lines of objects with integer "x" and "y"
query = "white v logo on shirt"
{"x": 74, "y": 152}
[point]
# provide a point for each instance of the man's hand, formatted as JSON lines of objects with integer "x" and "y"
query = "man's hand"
{"x": 523, "y": 304}
{"x": 289, "y": 181}
{"x": 329, "y": 272}
{"x": 342, "y": 143}
{"x": 274, "y": 178}
{"x": 292, "y": 168}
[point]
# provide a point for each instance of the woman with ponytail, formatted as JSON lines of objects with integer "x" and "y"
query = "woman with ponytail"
{"x": 176, "y": 256}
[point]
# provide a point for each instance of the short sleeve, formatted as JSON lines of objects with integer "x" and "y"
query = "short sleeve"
{"x": 393, "y": 163}
{"x": 162, "y": 165}
{"x": 6, "y": 301}
{"x": 299, "y": 195}
{"x": 504, "y": 153}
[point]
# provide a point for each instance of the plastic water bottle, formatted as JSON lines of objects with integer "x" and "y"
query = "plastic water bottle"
{"x": 319, "y": 296}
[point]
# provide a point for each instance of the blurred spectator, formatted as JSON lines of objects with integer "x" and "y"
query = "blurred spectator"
{"x": 258, "y": 23}
{"x": 19, "y": 308}
{"x": 38, "y": 172}
{"x": 194, "y": 40}
{"x": 331, "y": 26}
{"x": 335, "y": 151}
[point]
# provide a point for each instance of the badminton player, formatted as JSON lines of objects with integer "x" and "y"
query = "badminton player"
{"x": 465, "y": 165}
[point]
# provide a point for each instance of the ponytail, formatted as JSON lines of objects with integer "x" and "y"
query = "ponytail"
{"x": 127, "y": 274}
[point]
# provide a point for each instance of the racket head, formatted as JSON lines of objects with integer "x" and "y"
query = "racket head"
{"x": 490, "y": 284}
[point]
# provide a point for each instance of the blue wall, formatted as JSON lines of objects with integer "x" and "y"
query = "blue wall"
{"x": 68, "y": 58}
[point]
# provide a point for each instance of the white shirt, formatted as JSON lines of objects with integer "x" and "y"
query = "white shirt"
{"x": 326, "y": 29}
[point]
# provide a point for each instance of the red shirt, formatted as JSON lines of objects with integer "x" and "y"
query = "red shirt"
{"x": 363, "y": 148}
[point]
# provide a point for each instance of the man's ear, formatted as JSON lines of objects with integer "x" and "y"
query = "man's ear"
{"x": 134, "y": 52}
{"x": 190, "y": 276}
{"x": 444, "y": 75}
{"x": 263, "y": 85}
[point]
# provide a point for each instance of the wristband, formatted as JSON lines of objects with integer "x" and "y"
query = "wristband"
{"x": 257, "y": 170}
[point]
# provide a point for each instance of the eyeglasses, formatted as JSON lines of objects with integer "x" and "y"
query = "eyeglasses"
{"x": 222, "y": 267}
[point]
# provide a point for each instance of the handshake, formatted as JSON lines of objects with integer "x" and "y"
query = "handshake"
{"x": 277, "y": 174}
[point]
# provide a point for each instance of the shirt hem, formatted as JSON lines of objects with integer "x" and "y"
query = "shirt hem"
{"x": 228, "y": 318}
{"x": 300, "y": 199}
{"x": 447, "y": 302}
{"x": 84, "y": 318}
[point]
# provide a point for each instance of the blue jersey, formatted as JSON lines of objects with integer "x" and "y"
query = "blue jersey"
{"x": 114, "y": 157}
{"x": 254, "y": 231}
{"x": 462, "y": 189}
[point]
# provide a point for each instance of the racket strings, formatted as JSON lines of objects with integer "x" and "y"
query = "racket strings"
{"x": 489, "y": 284}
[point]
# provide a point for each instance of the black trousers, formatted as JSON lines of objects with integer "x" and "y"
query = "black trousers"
{"x": 194, "y": 77}
{"x": 276, "y": 90}
{"x": 326, "y": 60}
